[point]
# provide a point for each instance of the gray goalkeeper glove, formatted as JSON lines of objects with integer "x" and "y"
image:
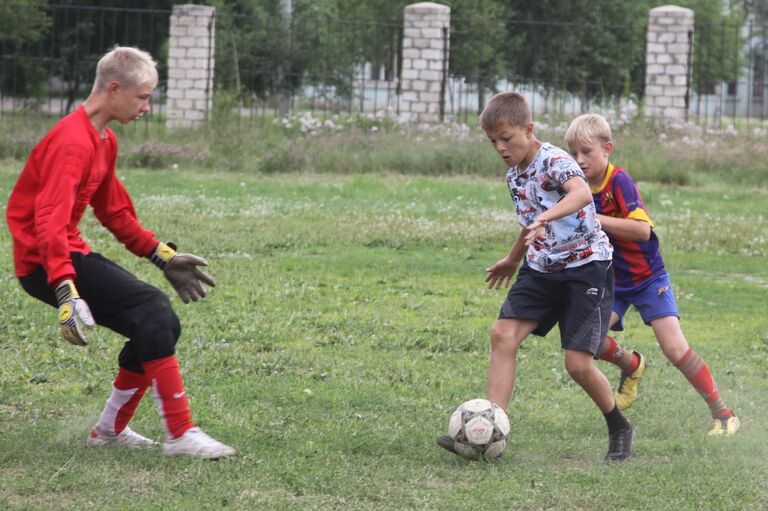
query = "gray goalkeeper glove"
{"x": 182, "y": 272}
{"x": 74, "y": 315}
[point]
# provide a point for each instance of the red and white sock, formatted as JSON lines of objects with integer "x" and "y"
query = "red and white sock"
{"x": 127, "y": 390}
{"x": 170, "y": 396}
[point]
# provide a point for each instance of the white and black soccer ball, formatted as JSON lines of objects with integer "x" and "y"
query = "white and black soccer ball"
{"x": 479, "y": 429}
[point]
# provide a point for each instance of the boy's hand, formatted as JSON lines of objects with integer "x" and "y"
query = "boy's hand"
{"x": 74, "y": 314}
{"x": 501, "y": 273}
{"x": 188, "y": 281}
{"x": 182, "y": 272}
{"x": 537, "y": 230}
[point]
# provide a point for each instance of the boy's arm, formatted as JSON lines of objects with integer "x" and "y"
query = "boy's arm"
{"x": 577, "y": 196}
{"x": 626, "y": 228}
{"x": 113, "y": 207}
{"x": 631, "y": 221}
{"x": 61, "y": 173}
{"x": 501, "y": 273}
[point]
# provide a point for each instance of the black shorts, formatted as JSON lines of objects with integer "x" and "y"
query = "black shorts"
{"x": 578, "y": 299}
{"x": 120, "y": 302}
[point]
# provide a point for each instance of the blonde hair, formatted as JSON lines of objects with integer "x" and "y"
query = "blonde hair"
{"x": 506, "y": 107}
{"x": 127, "y": 65}
{"x": 588, "y": 128}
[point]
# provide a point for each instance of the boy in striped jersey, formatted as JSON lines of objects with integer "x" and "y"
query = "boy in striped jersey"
{"x": 641, "y": 278}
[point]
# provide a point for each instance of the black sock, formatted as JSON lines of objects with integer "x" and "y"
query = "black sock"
{"x": 616, "y": 420}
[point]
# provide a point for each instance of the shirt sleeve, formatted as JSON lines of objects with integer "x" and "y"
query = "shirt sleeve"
{"x": 113, "y": 207}
{"x": 563, "y": 167}
{"x": 62, "y": 171}
{"x": 628, "y": 198}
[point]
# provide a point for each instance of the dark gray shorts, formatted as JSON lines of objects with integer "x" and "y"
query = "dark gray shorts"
{"x": 578, "y": 299}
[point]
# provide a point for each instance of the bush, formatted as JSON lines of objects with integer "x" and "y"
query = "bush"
{"x": 158, "y": 155}
{"x": 651, "y": 151}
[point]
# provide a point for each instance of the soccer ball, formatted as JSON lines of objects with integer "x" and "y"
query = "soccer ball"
{"x": 479, "y": 430}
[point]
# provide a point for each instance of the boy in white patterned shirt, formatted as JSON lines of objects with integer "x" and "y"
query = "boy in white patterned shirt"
{"x": 566, "y": 277}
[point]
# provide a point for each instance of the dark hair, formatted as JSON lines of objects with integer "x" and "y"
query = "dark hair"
{"x": 505, "y": 107}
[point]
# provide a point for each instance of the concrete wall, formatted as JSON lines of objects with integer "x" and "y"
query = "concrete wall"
{"x": 668, "y": 61}
{"x": 190, "y": 65}
{"x": 425, "y": 62}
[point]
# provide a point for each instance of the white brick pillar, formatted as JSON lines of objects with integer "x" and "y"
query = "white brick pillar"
{"x": 190, "y": 65}
{"x": 668, "y": 61}
{"x": 425, "y": 61}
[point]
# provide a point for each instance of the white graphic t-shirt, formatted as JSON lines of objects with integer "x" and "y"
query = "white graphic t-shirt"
{"x": 570, "y": 241}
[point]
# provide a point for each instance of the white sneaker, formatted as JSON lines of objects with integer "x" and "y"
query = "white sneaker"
{"x": 126, "y": 437}
{"x": 196, "y": 443}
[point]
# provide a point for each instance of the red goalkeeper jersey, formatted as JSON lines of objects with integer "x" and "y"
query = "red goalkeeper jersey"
{"x": 70, "y": 168}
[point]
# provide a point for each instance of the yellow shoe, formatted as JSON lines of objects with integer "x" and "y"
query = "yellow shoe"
{"x": 725, "y": 425}
{"x": 627, "y": 390}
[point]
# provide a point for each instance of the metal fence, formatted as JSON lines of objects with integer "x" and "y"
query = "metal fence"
{"x": 267, "y": 67}
{"x": 729, "y": 83}
{"x": 48, "y": 53}
{"x": 272, "y": 66}
{"x": 588, "y": 67}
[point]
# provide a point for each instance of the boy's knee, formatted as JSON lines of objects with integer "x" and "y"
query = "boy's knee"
{"x": 577, "y": 372}
{"x": 503, "y": 338}
{"x": 159, "y": 328}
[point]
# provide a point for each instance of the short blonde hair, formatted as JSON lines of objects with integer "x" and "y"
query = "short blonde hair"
{"x": 588, "y": 128}
{"x": 506, "y": 107}
{"x": 127, "y": 65}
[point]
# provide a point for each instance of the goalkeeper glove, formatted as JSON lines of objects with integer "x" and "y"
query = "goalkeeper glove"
{"x": 74, "y": 314}
{"x": 182, "y": 272}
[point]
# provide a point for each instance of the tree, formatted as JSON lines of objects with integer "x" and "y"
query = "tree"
{"x": 64, "y": 41}
{"x": 595, "y": 48}
{"x": 718, "y": 45}
{"x": 20, "y": 27}
{"x": 480, "y": 42}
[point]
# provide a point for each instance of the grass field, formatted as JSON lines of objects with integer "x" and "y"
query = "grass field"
{"x": 350, "y": 319}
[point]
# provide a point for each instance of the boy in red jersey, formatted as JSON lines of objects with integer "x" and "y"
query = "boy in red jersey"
{"x": 641, "y": 279}
{"x": 73, "y": 167}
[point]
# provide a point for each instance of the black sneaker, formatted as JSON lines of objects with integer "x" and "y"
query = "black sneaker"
{"x": 446, "y": 443}
{"x": 620, "y": 444}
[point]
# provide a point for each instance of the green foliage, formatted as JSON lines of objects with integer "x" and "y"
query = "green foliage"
{"x": 264, "y": 56}
{"x": 479, "y": 35}
{"x": 63, "y": 41}
{"x": 719, "y": 46}
{"x": 378, "y": 144}
{"x": 595, "y": 49}
{"x": 20, "y": 27}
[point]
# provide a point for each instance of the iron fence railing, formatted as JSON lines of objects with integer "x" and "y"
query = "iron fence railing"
{"x": 273, "y": 66}
{"x": 267, "y": 67}
{"x": 48, "y": 53}
{"x": 729, "y": 82}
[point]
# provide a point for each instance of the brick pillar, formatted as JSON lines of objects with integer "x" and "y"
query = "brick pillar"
{"x": 190, "y": 65}
{"x": 668, "y": 62}
{"x": 425, "y": 61}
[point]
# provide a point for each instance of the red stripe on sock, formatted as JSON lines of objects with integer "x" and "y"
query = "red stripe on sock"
{"x": 632, "y": 367}
{"x": 610, "y": 348}
{"x": 696, "y": 371}
{"x": 628, "y": 361}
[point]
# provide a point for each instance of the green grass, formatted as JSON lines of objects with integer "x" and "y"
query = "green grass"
{"x": 349, "y": 320}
